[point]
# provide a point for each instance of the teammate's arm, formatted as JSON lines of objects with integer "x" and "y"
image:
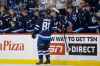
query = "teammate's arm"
{"x": 68, "y": 27}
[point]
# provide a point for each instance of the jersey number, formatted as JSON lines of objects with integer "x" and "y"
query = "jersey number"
{"x": 46, "y": 25}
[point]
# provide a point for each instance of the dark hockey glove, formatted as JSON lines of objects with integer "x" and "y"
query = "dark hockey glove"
{"x": 33, "y": 35}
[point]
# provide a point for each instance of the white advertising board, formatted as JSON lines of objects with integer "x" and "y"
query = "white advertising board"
{"x": 22, "y": 46}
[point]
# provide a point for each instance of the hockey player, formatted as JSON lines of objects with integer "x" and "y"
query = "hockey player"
{"x": 15, "y": 24}
{"x": 83, "y": 24}
{"x": 3, "y": 19}
{"x": 34, "y": 16}
{"x": 44, "y": 27}
{"x": 12, "y": 21}
{"x": 25, "y": 20}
